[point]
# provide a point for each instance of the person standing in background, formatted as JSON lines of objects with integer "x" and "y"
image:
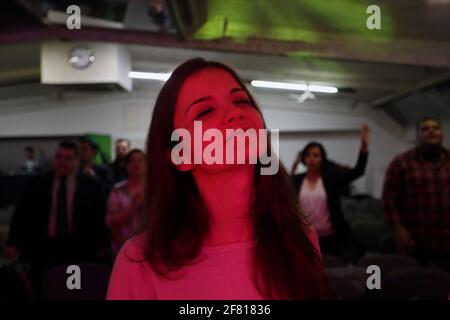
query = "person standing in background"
{"x": 118, "y": 167}
{"x": 416, "y": 197}
{"x": 60, "y": 218}
{"x": 320, "y": 189}
{"x": 88, "y": 153}
{"x": 31, "y": 165}
{"x": 126, "y": 201}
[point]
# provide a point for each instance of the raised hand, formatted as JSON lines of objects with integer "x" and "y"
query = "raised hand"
{"x": 365, "y": 137}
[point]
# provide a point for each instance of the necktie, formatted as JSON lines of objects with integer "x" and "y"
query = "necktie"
{"x": 61, "y": 218}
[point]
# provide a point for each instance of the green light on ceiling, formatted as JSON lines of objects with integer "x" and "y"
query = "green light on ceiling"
{"x": 291, "y": 20}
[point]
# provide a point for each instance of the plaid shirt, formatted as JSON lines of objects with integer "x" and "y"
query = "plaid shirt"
{"x": 417, "y": 195}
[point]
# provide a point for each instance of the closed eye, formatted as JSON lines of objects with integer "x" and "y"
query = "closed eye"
{"x": 243, "y": 102}
{"x": 204, "y": 112}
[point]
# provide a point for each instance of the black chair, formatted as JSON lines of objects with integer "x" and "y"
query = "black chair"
{"x": 94, "y": 283}
{"x": 6, "y": 214}
{"x": 330, "y": 261}
{"x": 388, "y": 244}
{"x": 347, "y": 283}
{"x": 388, "y": 262}
{"x": 370, "y": 232}
{"x": 416, "y": 283}
{"x": 349, "y": 206}
{"x": 14, "y": 282}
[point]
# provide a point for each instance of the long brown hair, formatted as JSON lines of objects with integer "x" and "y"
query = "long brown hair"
{"x": 286, "y": 265}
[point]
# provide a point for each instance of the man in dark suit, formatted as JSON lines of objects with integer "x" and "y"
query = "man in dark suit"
{"x": 60, "y": 218}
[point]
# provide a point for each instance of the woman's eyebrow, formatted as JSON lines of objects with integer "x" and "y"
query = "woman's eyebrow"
{"x": 237, "y": 90}
{"x": 198, "y": 101}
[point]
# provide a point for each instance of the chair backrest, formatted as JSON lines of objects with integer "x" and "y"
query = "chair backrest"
{"x": 94, "y": 280}
{"x": 4, "y": 230}
{"x": 388, "y": 262}
{"x": 330, "y": 261}
{"x": 14, "y": 283}
{"x": 347, "y": 283}
{"x": 416, "y": 283}
{"x": 6, "y": 214}
{"x": 369, "y": 232}
{"x": 349, "y": 205}
{"x": 361, "y": 204}
{"x": 388, "y": 244}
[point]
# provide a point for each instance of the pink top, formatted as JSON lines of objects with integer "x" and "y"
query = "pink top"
{"x": 119, "y": 200}
{"x": 222, "y": 273}
{"x": 315, "y": 203}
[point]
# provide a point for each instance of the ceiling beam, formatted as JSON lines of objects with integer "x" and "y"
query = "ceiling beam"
{"x": 387, "y": 122}
{"x": 422, "y": 85}
{"x": 418, "y": 53}
{"x": 435, "y": 97}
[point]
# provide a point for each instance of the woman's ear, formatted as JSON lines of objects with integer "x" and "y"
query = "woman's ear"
{"x": 178, "y": 161}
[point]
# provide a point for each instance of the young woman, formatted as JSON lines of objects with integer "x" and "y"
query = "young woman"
{"x": 126, "y": 201}
{"x": 215, "y": 231}
{"x": 319, "y": 191}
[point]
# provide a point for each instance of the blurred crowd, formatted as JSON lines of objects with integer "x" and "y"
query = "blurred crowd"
{"x": 81, "y": 211}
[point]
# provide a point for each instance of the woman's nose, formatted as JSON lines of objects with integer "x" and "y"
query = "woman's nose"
{"x": 233, "y": 113}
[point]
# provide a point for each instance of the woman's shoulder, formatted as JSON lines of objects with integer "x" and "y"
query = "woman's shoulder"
{"x": 133, "y": 249}
{"x": 132, "y": 277}
{"x": 131, "y": 257}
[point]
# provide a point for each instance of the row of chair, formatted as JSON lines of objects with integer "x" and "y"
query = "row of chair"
{"x": 363, "y": 204}
{"x": 16, "y": 283}
{"x": 401, "y": 277}
{"x": 365, "y": 216}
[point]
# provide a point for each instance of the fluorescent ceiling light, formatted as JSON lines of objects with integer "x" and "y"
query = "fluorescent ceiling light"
{"x": 279, "y": 85}
{"x": 255, "y": 83}
{"x": 293, "y": 86}
{"x": 149, "y": 75}
{"x": 324, "y": 89}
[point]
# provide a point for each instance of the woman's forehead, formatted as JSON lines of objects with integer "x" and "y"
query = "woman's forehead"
{"x": 314, "y": 149}
{"x": 208, "y": 82}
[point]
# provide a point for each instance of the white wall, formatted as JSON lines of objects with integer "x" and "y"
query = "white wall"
{"x": 128, "y": 115}
{"x": 13, "y": 153}
{"x": 115, "y": 114}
